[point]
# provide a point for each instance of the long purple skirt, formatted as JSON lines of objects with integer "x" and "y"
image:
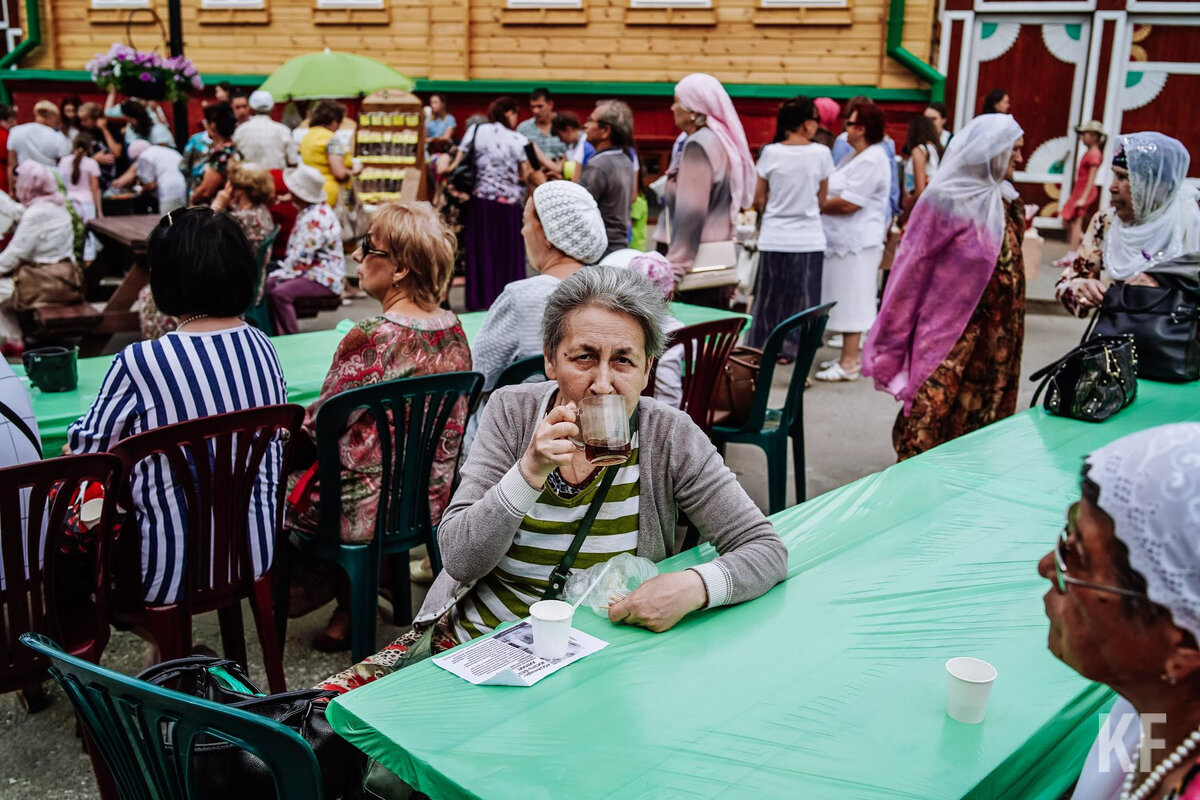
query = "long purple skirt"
{"x": 787, "y": 284}
{"x": 495, "y": 250}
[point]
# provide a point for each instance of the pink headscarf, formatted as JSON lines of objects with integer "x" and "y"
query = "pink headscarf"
{"x": 655, "y": 267}
{"x": 705, "y": 95}
{"x": 828, "y": 110}
{"x": 945, "y": 260}
{"x": 36, "y": 183}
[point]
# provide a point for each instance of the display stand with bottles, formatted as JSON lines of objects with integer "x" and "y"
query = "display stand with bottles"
{"x": 390, "y": 143}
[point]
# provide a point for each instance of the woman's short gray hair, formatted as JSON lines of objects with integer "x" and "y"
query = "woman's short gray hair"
{"x": 614, "y": 288}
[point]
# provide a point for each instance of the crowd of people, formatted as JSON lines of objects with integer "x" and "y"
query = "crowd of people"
{"x": 249, "y": 220}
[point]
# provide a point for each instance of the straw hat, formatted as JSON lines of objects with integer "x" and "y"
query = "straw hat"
{"x": 306, "y": 183}
{"x": 1092, "y": 127}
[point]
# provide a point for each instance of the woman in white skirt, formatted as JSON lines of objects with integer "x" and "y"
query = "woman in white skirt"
{"x": 855, "y": 216}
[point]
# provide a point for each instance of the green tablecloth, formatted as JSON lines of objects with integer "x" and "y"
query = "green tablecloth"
{"x": 305, "y": 358}
{"x": 830, "y": 686}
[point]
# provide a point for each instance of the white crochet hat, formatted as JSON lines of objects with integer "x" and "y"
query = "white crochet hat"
{"x": 306, "y": 183}
{"x": 1150, "y": 485}
{"x": 571, "y": 219}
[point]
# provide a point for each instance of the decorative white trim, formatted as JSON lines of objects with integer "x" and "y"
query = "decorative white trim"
{"x": 1149, "y": 85}
{"x": 120, "y": 3}
{"x": 670, "y": 3}
{"x": 1039, "y": 6}
{"x": 1049, "y": 152}
{"x": 804, "y": 3}
{"x": 1038, "y": 177}
{"x": 545, "y": 3}
{"x": 236, "y": 4}
{"x": 1003, "y": 37}
{"x": 1060, "y": 44}
{"x": 1153, "y": 7}
{"x": 1169, "y": 67}
{"x": 372, "y": 4}
{"x": 963, "y": 109}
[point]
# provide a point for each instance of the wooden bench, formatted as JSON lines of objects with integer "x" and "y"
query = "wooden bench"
{"x": 307, "y": 307}
{"x": 51, "y": 323}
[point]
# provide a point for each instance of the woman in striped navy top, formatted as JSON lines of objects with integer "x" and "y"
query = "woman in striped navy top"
{"x": 203, "y": 273}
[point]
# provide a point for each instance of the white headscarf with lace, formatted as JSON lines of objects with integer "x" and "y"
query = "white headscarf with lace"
{"x": 1150, "y": 485}
{"x": 1167, "y": 217}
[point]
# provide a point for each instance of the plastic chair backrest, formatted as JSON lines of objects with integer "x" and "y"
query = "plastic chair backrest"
{"x": 32, "y": 525}
{"x": 706, "y": 348}
{"x": 810, "y": 324}
{"x": 420, "y": 408}
{"x": 147, "y": 734}
{"x": 520, "y": 371}
{"x": 263, "y": 254}
{"x": 216, "y": 491}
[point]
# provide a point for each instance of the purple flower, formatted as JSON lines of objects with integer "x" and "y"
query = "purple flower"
{"x": 146, "y": 77}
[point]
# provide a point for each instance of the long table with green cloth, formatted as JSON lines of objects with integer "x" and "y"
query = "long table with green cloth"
{"x": 305, "y": 358}
{"x": 832, "y": 685}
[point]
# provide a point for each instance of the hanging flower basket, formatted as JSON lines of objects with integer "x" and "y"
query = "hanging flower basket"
{"x": 146, "y": 75}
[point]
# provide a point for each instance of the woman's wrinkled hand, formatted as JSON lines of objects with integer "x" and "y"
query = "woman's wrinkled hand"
{"x": 552, "y": 445}
{"x": 662, "y": 601}
{"x": 1088, "y": 292}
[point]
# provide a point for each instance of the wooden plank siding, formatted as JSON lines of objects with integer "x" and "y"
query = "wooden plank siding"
{"x": 736, "y": 40}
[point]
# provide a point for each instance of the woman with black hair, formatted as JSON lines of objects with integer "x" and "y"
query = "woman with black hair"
{"x": 68, "y": 114}
{"x": 793, "y": 175}
{"x": 996, "y": 102}
{"x": 923, "y": 149}
{"x": 202, "y": 273}
{"x": 492, "y": 228}
{"x": 220, "y": 123}
{"x": 143, "y": 126}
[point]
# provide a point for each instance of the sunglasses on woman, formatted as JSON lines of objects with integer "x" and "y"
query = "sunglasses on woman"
{"x": 364, "y": 244}
{"x": 1060, "y": 562}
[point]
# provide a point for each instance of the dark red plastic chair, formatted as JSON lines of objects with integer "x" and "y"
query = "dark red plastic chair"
{"x": 706, "y": 348}
{"x": 29, "y": 601}
{"x": 216, "y": 488}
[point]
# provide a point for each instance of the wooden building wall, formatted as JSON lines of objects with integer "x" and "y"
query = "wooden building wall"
{"x": 482, "y": 39}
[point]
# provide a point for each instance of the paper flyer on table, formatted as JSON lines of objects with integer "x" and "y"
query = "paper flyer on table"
{"x": 506, "y": 658}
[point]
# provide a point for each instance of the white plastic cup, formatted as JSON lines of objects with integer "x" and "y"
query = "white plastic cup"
{"x": 968, "y": 687}
{"x": 551, "y": 628}
{"x": 89, "y": 512}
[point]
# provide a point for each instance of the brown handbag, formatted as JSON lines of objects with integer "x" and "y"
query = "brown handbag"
{"x": 41, "y": 285}
{"x": 733, "y": 394}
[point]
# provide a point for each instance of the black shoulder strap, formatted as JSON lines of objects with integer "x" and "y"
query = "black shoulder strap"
{"x": 21, "y": 426}
{"x": 558, "y": 578}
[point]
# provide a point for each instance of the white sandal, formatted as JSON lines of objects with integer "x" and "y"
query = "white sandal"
{"x": 835, "y": 373}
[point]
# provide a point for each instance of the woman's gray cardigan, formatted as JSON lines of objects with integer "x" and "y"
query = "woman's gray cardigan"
{"x": 679, "y": 468}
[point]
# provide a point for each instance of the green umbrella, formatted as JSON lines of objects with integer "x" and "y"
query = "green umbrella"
{"x": 317, "y": 76}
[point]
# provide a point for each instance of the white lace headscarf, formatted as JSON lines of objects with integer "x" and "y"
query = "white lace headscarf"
{"x": 1167, "y": 218}
{"x": 1150, "y": 485}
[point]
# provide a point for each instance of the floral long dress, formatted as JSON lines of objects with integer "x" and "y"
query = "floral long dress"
{"x": 382, "y": 349}
{"x": 978, "y": 381}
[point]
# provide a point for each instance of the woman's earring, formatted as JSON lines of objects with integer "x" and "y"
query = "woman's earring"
{"x": 395, "y": 279}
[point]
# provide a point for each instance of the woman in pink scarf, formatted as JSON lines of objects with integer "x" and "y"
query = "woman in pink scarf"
{"x": 948, "y": 339}
{"x": 714, "y": 179}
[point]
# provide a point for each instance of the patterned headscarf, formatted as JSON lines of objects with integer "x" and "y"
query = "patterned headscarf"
{"x": 655, "y": 267}
{"x": 37, "y": 184}
{"x": 1150, "y": 485}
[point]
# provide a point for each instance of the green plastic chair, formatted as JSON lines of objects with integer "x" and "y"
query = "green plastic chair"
{"x": 259, "y": 315}
{"x": 140, "y": 732}
{"x": 769, "y": 428}
{"x": 520, "y": 371}
{"x": 402, "y": 520}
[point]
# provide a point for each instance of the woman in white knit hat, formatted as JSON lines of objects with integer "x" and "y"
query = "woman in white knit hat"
{"x": 563, "y": 231}
{"x": 1124, "y": 608}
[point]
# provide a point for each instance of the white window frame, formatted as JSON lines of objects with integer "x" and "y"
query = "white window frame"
{"x": 670, "y": 3}
{"x": 545, "y": 4}
{"x": 248, "y": 5}
{"x": 805, "y": 4}
{"x": 120, "y": 3}
{"x": 352, "y": 4}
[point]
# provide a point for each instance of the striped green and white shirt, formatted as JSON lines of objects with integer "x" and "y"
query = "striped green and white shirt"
{"x": 521, "y": 577}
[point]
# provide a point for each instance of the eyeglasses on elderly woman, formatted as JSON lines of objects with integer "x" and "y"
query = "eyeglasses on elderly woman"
{"x": 1066, "y": 550}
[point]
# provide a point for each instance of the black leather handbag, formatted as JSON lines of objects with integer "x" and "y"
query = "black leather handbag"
{"x": 1165, "y": 323}
{"x": 463, "y": 177}
{"x": 225, "y": 771}
{"x": 1092, "y": 382}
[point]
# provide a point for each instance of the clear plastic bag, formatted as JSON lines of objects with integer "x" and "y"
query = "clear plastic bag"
{"x": 626, "y": 574}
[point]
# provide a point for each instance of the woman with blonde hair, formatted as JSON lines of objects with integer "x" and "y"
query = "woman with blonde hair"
{"x": 246, "y": 197}
{"x": 405, "y": 261}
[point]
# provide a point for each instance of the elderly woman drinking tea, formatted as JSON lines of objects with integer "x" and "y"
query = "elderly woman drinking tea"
{"x": 526, "y": 488}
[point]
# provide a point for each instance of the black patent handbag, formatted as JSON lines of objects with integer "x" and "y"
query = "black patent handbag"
{"x": 1164, "y": 321}
{"x": 1093, "y": 381}
{"x": 225, "y": 771}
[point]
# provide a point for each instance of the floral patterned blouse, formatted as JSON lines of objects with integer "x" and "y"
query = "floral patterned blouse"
{"x": 219, "y": 157}
{"x": 256, "y": 222}
{"x": 1088, "y": 263}
{"x": 382, "y": 349}
{"x": 314, "y": 249}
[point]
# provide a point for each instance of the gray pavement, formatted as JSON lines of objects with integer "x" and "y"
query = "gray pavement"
{"x": 848, "y": 432}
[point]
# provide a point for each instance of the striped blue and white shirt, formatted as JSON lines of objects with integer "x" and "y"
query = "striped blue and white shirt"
{"x": 180, "y": 377}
